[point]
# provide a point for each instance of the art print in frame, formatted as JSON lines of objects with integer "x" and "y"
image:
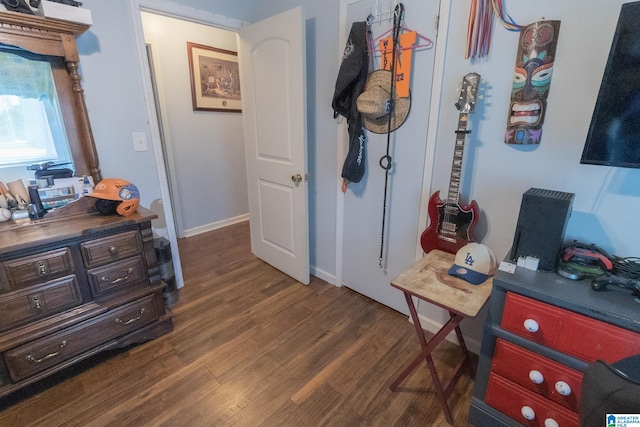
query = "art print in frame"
{"x": 215, "y": 78}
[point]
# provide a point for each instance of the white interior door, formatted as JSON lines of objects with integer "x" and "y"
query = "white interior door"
{"x": 364, "y": 201}
{"x": 271, "y": 58}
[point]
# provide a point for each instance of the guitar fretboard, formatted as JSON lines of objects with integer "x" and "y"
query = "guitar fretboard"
{"x": 458, "y": 154}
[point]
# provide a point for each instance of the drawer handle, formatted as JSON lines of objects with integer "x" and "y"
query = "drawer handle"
{"x": 550, "y": 422}
{"x": 134, "y": 319}
{"x": 42, "y": 268}
{"x": 563, "y": 388}
{"x": 528, "y": 413}
{"x": 536, "y": 377}
{"x": 104, "y": 279}
{"x": 36, "y": 303}
{"x": 113, "y": 250}
{"x": 531, "y": 325}
{"x": 32, "y": 359}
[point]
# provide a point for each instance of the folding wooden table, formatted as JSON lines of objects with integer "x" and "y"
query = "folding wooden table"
{"x": 428, "y": 280}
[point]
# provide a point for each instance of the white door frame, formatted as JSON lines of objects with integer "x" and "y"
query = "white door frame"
{"x": 444, "y": 16}
{"x": 164, "y": 135}
{"x": 187, "y": 14}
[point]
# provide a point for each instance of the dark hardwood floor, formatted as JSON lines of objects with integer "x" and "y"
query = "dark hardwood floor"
{"x": 251, "y": 347}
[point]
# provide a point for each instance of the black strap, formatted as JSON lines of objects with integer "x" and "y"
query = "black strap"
{"x": 397, "y": 20}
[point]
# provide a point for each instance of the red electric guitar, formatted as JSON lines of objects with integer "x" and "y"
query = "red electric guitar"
{"x": 450, "y": 223}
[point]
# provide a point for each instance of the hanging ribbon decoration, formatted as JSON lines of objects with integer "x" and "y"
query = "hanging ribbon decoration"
{"x": 385, "y": 161}
{"x": 480, "y": 26}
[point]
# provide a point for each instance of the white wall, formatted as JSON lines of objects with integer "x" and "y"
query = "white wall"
{"x": 205, "y": 148}
{"x": 115, "y": 97}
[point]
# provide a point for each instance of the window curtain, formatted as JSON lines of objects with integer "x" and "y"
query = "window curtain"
{"x": 25, "y": 77}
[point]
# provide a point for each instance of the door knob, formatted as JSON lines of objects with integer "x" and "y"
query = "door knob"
{"x": 297, "y": 178}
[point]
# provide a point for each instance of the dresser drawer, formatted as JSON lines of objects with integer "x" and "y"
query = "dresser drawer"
{"x": 532, "y": 319}
{"x": 40, "y": 268}
{"x": 589, "y": 339}
{"x": 36, "y": 356}
{"x": 109, "y": 249}
{"x": 117, "y": 276}
{"x": 571, "y": 333}
{"x": 513, "y": 400}
{"x": 539, "y": 374}
{"x": 26, "y": 305}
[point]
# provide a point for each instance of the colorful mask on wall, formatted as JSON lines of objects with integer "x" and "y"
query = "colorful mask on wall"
{"x": 531, "y": 82}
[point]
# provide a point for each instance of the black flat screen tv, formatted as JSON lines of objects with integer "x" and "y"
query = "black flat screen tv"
{"x": 614, "y": 132}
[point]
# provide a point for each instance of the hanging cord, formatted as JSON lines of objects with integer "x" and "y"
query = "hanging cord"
{"x": 626, "y": 267}
{"x": 385, "y": 161}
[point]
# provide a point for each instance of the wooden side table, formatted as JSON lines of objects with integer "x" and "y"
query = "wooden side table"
{"x": 428, "y": 279}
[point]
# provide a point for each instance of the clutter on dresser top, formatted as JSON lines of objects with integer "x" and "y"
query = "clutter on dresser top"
{"x": 20, "y": 203}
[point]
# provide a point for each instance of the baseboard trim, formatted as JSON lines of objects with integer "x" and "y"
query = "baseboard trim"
{"x": 321, "y": 274}
{"x": 215, "y": 225}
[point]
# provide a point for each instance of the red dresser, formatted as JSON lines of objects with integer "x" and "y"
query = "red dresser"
{"x": 542, "y": 331}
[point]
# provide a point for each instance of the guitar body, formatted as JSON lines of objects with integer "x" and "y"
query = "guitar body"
{"x": 450, "y": 226}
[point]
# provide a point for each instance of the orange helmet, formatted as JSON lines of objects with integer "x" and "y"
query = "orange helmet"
{"x": 116, "y": 195}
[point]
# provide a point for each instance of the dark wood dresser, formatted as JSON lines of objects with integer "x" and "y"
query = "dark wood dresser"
{"x": 73, "y": 286}
{"x": 542, "y": 331}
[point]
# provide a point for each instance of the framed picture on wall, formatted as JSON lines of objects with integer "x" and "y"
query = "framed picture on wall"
{"x": 215, "y": 78}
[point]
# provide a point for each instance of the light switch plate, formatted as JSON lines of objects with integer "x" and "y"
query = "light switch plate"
{"x": 140, "y": 141}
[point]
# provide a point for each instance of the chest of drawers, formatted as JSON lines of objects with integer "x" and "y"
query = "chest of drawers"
{"x": 73, "y": 287}
{"x": 542, "y": 331}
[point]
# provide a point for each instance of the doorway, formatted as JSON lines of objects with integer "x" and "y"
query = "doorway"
{"x": 202, "y": 150}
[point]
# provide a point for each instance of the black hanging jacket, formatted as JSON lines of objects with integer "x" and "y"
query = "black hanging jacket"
{"x": 352, "y": 78}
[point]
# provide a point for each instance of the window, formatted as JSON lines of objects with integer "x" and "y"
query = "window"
{"x": 31, "y": 124}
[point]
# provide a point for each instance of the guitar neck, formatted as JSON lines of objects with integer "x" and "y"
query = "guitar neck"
{"x": 458, "y": 154}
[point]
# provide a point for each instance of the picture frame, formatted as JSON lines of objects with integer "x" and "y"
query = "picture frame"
{"x": 215, "y": 79}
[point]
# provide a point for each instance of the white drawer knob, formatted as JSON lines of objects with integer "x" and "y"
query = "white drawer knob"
{"x": 563, "y": 388}
{"x": 550, "y": 422}
{"x": 536, "y": 377}
{"x": 528, "y": 413}
{"x": 531, "y": 325}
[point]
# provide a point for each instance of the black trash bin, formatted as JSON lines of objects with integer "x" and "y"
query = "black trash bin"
{"x": 167, "y": 273}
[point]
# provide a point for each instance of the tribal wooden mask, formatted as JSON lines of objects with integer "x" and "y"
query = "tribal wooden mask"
{"x": 531, "y": 82}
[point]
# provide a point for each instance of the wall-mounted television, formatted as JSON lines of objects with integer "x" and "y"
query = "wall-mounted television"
{"x": 614, "y": 132}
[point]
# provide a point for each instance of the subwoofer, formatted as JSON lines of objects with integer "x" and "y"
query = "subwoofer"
{"x": 542, "y": 221}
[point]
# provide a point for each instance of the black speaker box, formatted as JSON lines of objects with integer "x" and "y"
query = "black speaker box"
{"x": 541, "y": 225}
